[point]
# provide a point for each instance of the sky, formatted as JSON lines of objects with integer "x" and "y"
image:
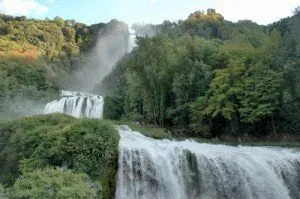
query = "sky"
{"x": 148, "y": 11}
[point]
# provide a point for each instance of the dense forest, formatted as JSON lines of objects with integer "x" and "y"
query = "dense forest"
{"x": 207, "y": 77}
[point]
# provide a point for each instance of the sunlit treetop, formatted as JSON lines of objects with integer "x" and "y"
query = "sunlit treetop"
{"x": 210, "y": 14}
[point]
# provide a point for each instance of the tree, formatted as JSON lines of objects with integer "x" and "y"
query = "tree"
{"x": 54, "y": 184}
{"x": 261, "y": 93}
{"x": 225, "y": 89}
{"x": 59, "y": 21}
{"x": 245, "y": 95}
{"x": 150, "y": 69}
{"x": 238, "y": 78}
{"x": 191, "y": 78}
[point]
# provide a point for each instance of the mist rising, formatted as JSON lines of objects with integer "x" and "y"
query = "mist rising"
{"x": 112, "y": 44}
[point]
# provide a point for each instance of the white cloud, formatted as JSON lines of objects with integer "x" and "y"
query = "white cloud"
{"x": 22, "y": 7}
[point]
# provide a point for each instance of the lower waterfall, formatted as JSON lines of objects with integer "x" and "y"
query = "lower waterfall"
{"x": 77, "y": 105}
{"x": 164, "y": 169}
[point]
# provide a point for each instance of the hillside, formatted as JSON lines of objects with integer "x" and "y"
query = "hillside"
{"x": 39, "y": 57}
{"x": 208, "y": 77}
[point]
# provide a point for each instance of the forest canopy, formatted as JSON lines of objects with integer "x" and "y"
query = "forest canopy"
{"x": 206, "y": 76}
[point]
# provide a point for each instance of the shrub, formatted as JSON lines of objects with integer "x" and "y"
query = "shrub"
{"x": 84, "y": 145}
{"x": 53, "y": 183}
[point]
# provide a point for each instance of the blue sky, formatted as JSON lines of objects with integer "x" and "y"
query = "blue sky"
{"x": 148, "y": 11}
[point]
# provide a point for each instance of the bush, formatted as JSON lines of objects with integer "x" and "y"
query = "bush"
{"x": 53, "y": 183}
{"x": 92, "y": 147}
{"x": 84, "y": 145}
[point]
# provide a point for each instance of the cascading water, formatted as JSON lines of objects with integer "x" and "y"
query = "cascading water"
{"x": 77, "y": 105}
{"x": 163, "y": 169}
{"x": 131, "y": 40}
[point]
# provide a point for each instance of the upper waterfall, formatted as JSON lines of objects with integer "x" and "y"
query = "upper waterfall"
{"x": 164, "y": 169}
{"x": 77, "y": 104}
{"x": 131, "y": 40}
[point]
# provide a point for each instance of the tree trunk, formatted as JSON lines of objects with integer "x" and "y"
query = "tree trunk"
{"x": 273, "y": 126}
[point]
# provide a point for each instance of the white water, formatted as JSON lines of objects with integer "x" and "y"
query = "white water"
{"x": 77, "y": 105}
{"x": 131, "y": 42}
{"x": 162, "y": 169}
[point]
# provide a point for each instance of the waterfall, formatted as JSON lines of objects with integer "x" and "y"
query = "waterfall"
{"x": 131, "y": 42}
{"x": 164, "y": 169}
{"x": 77, "y": 104}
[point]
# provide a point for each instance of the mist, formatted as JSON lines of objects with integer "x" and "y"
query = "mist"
{"x": 112, "y": 44}
{"x": 21, "y": 106}
{"x": 142, "y": 29}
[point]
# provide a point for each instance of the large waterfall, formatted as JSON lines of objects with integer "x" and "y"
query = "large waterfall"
{"x": 163, "y": 169}
{"x": 77, "y": 104}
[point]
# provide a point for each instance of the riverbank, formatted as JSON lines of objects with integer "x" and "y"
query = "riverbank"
{"x": 289, "y": 141}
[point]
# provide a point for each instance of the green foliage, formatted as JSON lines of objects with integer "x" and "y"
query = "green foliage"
{"x": 92, "y": 147}
{"x": 206, "y": 76}
{"x": 43, "y": 37}
{"x": 53, "y": 184}
{"x": 24, "y": 87}
{"x": 2, "y": 192}
{"x": 17, "y": 73}
{"x": 113, "y": 108}
{"x": 200, "y": 123}
{"x": 261, "y": 93}
{"x": 287, "y": 60}
{"x": 160, "y": 87}
{"x": 225, "y": 88}
{"x": 87, "y": 146}
{"x": 149, "y": 77}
